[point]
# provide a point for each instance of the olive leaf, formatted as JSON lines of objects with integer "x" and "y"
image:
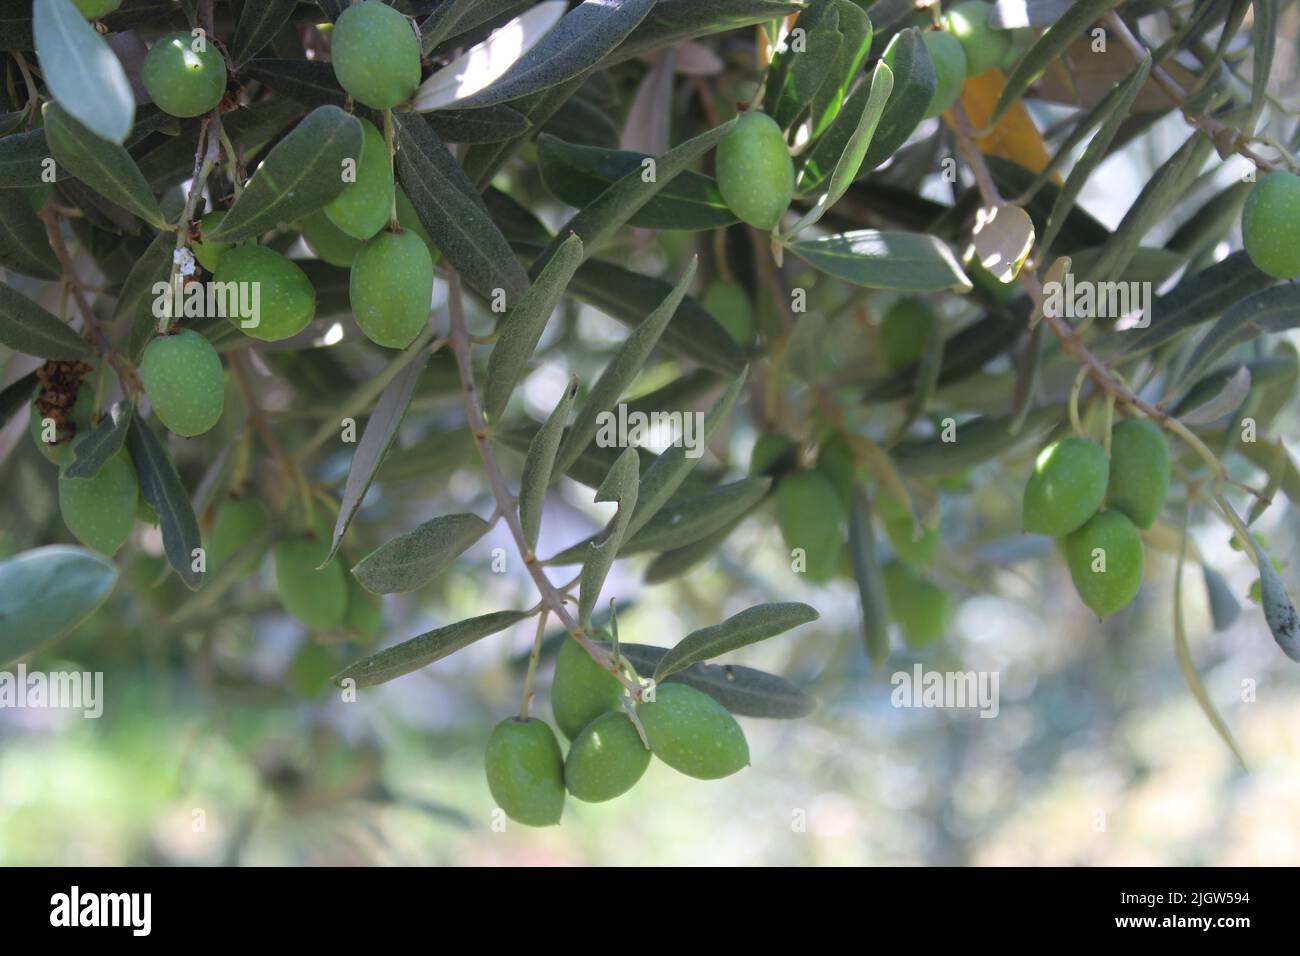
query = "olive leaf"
{"x": 81, "y": 71}
{"x": 259, "y": 22}
{"x": 17, "y": 396}
{"x": 867, "y": 576}
{"x": 105, "y": 167}
{"x": 451, "y": 15}
{"x": 743, "y": 691}
{"x": 856, "y": 31}
{"x": 522, "y": 327}
{"x": 452, "y": 211}
{"x": 855, "y": 150}
{"x": 135, "y": 301}
{"x": 300, "y": 175}
{"x": 1275, "y": 309}
{"x": 491, "y": 124}
{"x": 679, "y": 523}
{"x": 1231, "y": 391}
{"x": 619, "y": 486}
{"x": 672, "y": 21}
{"x": 977, "y": 440}
{"x": 103, "y": 442}
{"x": 27, "y": 328}
{"x": 670, "y": 564}
{"x": 620, "y": 372}
{"x": 420, "y": 651}
{"x": 311, "y": 82}
{"x": 46, "y": 592}
{"x": 538, "y": 465}
{"x": 487, "y": 61}
{"x": 903, "y": 261}
{"x": 913, "y": 89}
{"x": 802, "y": 64}
{"x": 24, "y": 244}
{"x": 581, "y": 39}
{"x": 1224, "y": 606}
{"x": 577, "y": 175}
{"x": 750, "y": 626}
{"x": 161, "y": 487}
{"x": 662, "y": 479}
{"x": 413, "y": 559}
{"x": 377, "y": 438}
{"x": 23, "y": 160}
{"x": 1048, "y": 49}
{"x": 597, "y": 222}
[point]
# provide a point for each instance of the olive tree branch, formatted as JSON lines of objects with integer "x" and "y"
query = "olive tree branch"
{"x": 507, "y": 501}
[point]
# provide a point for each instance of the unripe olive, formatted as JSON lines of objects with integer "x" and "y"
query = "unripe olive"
{"x": 328, "y": 241}
{"x": 182, "y": 79}
{"x": 364, "y": 616}
{"x": 287, "y": 301}
{"x": 93, "y": 9}
{"x": 606, "y": 760}
{"x": 100, "y": 511}
{"x": 984, "y": 46}
{"x": 1066, "y": 488}
{"x": 728, "y": 303}
{"x": 1270, "y": 224}
{"x": 949, "y": 61}
{"x": 1139, "y": 471}
{"x": 916, "y": 551}
{"x": 408, "y": 218}
{"x": 183, "y": 378}
{"x": 365, "y": 205}
{"x": 755, "y": 172}
{"x": 1105, "y": 560}
{"x": 209, "y": 253}
{"x": 391, "y": 288}
{"x": 835, "y": 460}
{"x": 904, "y": 331}
{"x": 693, "y": 733}
{"x": 1022, "y": 38}
{"x": 809, "y": 512}
{"x": 375, "y": 54}
{"x": 525, "y": 771}
{"x": 768, "y": 450}
{"x": 236, "y": 524}
{"x": 318, "y": 599}
{"x": 920, "y": 607}
{"x": 582, "y": 690}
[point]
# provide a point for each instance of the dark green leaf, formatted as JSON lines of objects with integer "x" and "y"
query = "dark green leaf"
{"x": 26, "y": 327}
{"x": 24, "y": 244}
{"x": 105, "y": 167}
{"x": 428, "y": 647}
{"x": 619, "y": 486}
{"x": 161, "y": 487}
{"x": 135, "y": 301}
{"x": 452, "y": 211}
{"x": 490, "y": 124}
{"x": 977, "y": 441}
{"x": 81, "y": 71}
{"x": 905, "y": 261}
{"x": 679, "y": 523}
{"x": 671, "y": 21}
{"x": 744, "y": 691}
{"x": 866, "y": 574}
{"x": 259, "y": 21}
{"x": 47, "y": 592}
{"x": 803, "y": 62}
{"x": 914, "y": 86}
{"x": 23, "y": 160}
{"x": 855, "y": 29}
{"x": 311, "y": 82}
{"x": 412, "y": 560}
{"x": 17, "y": 396}
{"x": 539, "y": 463}
{"x": 740, "y": 630}
{"x": 1273, "y": 310}
{"x": 300, "y": 175}
{"x": 103, "y": 442}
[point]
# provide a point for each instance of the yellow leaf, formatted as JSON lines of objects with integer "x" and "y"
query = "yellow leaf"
{"x": 1015, "y": 137}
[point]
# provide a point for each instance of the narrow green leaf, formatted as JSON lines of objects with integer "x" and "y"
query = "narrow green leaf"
{"x": 1224, "y": 606}
{"x": 377, "y": 438}
{"x": 27, "y": 328}
{"x": 914, "y": 86}
{"x": 311, "y": 82}
{"x": 662, "y": 479}
{"x": 45, "y": 593}
{"x": 1263, "y": 38}
{"x": 23, "y": 160}
{"x": 491, "y": 124}
{"x": 539, "y": 463}
{"x": 161, "y": 487}
{"x": 300, "y": 175}
{"x": 904, "y": 261}
{"x": 616, "y": 205}
{"x": 867, "y": 576}
{"x": 420, "y": 651}
{"x": 855, "y": 150}
{"x": 522, "y": 327}
{"x": 855, "y": 29}
{"x": 24, "y": 243}
{"x": 677, "y": 524}
{"x": 413, "y": 559}
{"x": 977, "y": 441}
{"x": 743, "y": 691}
{"x": 927, "y": 380}
{"x": 81, "y": 71}
{"x": 672, "y": 21}
{"x": 1275, "y": 309}
{"x": 1231, "y": 391}
{"x": 447, "y": 16}
{"x": 103, "y": 442}
{"x": 740, "y": 630}
{"x": 452, "y": 211}
{"x": 259, "y": 22}
{"x": 17, "y": 396}
{"x": 671, "y": 564}
{"x": 620, "y": 372}
{"x": 1047, "y": 50}
{"x": 577, "y": 175}
{"x": 802, "y": 64}
{"x": 583, "y": 38}
{"x": 134, "y": 307}
{"x": 105, "y": 167}
{"x": 619, "y": 486}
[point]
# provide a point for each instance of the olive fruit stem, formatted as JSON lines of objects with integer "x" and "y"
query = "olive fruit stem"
{"x": 393, "y": 224}
{"x": 33, "y": 97}
{"x": 507, "y": 502}
{"x": 205, "y": 158}
{"x": 526, "y": 697}
{"x": 232, "y": 158}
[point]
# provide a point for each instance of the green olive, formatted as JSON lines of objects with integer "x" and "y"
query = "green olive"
{"x": 904, "y": 331}
{"x": 1139, "y": 471}
{"x": 920, "y": 607}
{"x": 318, "y": 599}
{"x": 1105, "y": 560}
{"x": 754, "y": 170}
{"x": 183, "y": 377}
{"x": 582, "y": 690}
{"x": 376, "y": 55}
{"x": 100, "y": 511}
{"x": 184, "y": 74}
{"x": 770, "y": 450}
{"x": 94, "y": 9}
{"x": 1066, "y": 488}
{"x": 366, "y": 204}
{"x": 693, "y": 733}
{"x": 1270, "y": 224}
{"x": 237, "y": 523}
{"x": 525, "y": 771}
{"x": 391, "y": 288}
{"x": 810, "y": 514}
{"x": 728, "y": 303}
{"x": 286, "y": 301}
{"x": 330, "y": 243}
{"x": 984, "y": 47}
{"x": 949, "y": 61}
{"x": 209, "y": 253}
{"x": 606, "y": 760}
